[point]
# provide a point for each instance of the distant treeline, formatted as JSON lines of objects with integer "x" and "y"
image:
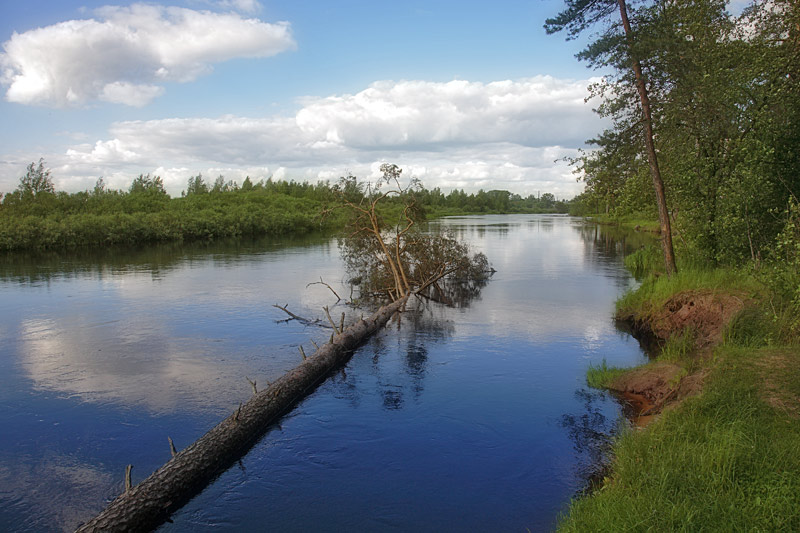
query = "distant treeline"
{"x": 36, "y": 216}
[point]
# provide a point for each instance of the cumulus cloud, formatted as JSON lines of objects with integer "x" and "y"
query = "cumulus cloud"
{"x": 530, "y": 112}
{"x": 124, "y": 53}
{"x": 501, "y": 135}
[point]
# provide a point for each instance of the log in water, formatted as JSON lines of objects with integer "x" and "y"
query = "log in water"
{"x": 151, "y": 502}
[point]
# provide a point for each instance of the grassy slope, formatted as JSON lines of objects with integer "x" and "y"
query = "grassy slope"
{"x": 725, "y": 460}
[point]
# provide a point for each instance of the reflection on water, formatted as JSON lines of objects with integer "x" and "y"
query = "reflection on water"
{"x": 590, "y": 431}
{"x": 102, "y": 352}
{"x": 78, "y": 484}
{"x": 473, "y": 417}
{"x": 166, "y": 329}
{"x": 154, "y": 260}
{"x": 476, "y": 418}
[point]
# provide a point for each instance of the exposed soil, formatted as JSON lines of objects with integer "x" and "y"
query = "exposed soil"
{"x": 704, "y": 313}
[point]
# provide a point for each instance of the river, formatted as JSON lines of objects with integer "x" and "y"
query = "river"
{"x": 474, "y": 418}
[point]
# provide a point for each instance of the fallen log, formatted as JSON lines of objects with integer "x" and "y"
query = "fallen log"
{"x": 151, "y": 502}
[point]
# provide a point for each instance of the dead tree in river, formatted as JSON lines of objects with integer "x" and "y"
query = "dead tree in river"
{"x": 387, "y": 253}
{"x": 410, "y": 263}
{"x": 150, "y": 503}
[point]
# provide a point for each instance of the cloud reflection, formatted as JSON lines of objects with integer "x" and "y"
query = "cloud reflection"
{"x": 562, "y": 297}
{"x": 55, "y": 492}
{"x": 183, "y": 340}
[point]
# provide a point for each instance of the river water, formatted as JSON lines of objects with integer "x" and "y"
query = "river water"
{"x": 474, "y": 418}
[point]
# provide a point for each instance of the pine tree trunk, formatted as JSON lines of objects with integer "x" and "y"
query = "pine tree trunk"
{"x": 655, "y": 172}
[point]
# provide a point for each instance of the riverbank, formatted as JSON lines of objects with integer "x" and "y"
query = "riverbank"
{"x": 146, "y": 214}
{"x": 721, "y": 405}
{"x": 182, "y": 222}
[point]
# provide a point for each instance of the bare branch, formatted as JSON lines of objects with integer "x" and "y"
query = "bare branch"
{"x": 320, "y": 282}
{"x": 316, "y": 322}
{"x": 333, "y": 324}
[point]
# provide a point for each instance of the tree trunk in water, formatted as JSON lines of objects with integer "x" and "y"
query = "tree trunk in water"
{"x": 151, "y": 502}
{"x": 658, "y": 183}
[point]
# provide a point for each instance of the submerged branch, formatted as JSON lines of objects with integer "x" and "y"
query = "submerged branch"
{"x": 316, "y": 322}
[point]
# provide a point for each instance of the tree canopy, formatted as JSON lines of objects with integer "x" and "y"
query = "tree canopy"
{"x": 725, "y": 106}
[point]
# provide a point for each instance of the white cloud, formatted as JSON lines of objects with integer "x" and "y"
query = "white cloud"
{"x": 123, "y": 54}
{"x": 502, "y": 135}
{"x": 531, "y": 112}
{"x": 120, "y": 92}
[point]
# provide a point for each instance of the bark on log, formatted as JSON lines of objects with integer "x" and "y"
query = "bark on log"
{"x": 151, "y": 502}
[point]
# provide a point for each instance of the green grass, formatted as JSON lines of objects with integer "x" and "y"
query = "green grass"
{"x": 601, "y": 376}
{"x": 656, "y": 290}
{"x": 679, "y": 348}
{"x": 644, "y": 261}
{"x": 723, "y": 461}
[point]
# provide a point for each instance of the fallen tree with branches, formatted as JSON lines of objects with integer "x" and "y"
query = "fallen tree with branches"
{"x": 150, "y": 503}
{"x": 393, "y": 261}
{"x": 386, "y": 251}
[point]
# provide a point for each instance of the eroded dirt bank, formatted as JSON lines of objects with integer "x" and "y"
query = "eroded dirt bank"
{"x": 700, "y": 318}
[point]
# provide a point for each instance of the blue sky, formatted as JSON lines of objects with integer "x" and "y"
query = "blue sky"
{"x": 461, "y": 94}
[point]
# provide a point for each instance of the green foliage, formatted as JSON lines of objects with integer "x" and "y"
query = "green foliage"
{"x": 724, "y": 94}
{"x": 35, "y": 216}
{"x": 386, "y": 253}
{"x": 644, "y": 261}
{"x": 601, "y": 376}
{"x": 146, "y": 214}
{"x": 781, "y": 274}
{"x": 35, "y": 194}
{"x": 146, "y": 184}
{"x": 37, "y": 180}
{"x": 196, "y": 185}
{"x": 723, "y": 461}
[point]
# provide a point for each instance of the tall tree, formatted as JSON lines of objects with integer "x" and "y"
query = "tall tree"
{"x": 581, "y": 14}
{"x": 36, "y": 180}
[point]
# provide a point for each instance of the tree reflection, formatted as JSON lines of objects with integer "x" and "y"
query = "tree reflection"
{"x": 610, "y": 244}
{"x": 591, "y": 434}
{"x": 156, "y": 259}
{"x": 397, "y": 380}
{"x": 420, "y": 326}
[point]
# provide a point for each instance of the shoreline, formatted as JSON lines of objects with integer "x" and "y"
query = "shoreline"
{"x": 714, "y": 417}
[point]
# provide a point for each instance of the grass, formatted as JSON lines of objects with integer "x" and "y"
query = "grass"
{"x": 644, "y": 261}
{"x": 723, "y": 461}
{"x": 679, "y": 348}
{"x": 726, "y": 459}
{"x": 601, "y": 376}
{"x": 656, "y": 290}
